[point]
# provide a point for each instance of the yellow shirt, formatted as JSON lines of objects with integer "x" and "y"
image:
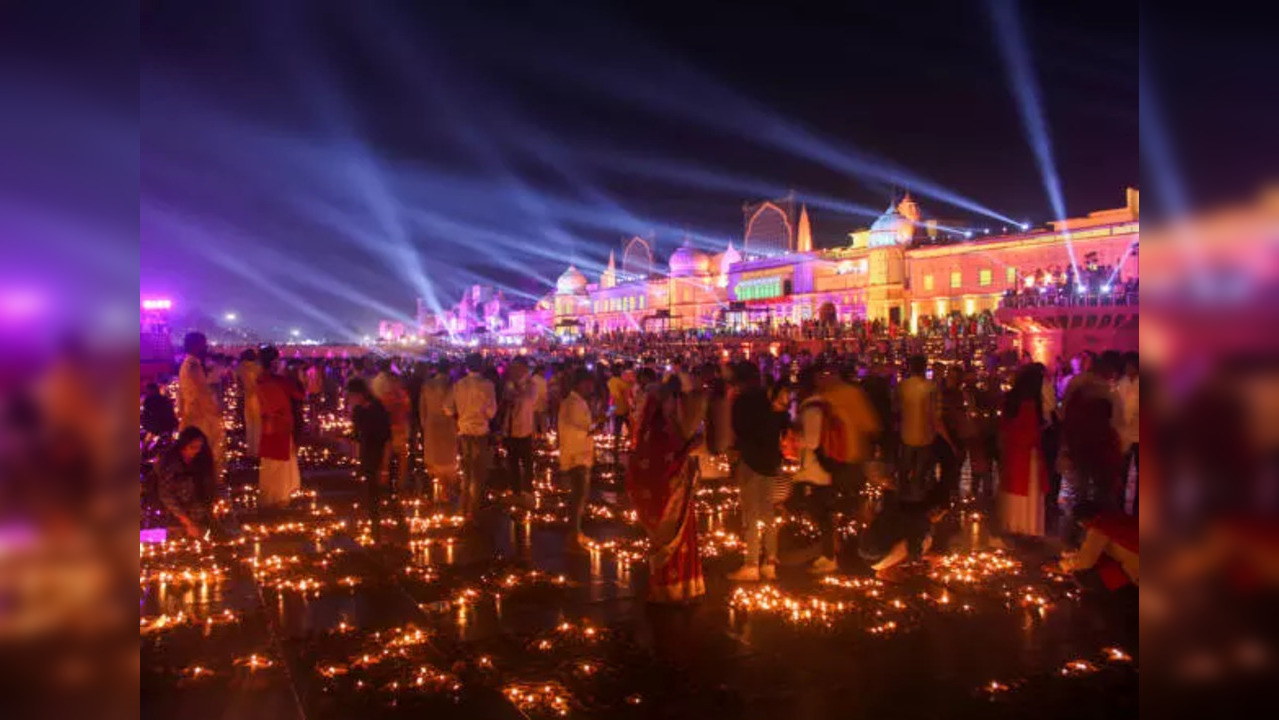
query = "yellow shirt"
{"x": 920, "y": 411}
{"x": 620, "y": 391}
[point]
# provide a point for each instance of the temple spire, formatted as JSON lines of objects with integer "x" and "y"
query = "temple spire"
{"x": 804, "y": 236}
{"x": 609, "y": 278}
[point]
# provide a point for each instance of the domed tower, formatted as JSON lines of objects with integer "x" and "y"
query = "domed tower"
{"x": 889, "y": 235}
{"x": 570, "y": 297}
{"x": 688, "y": 261}
{"x": 572, "y": 282}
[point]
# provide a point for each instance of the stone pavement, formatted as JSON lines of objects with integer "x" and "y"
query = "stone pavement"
{"x": 433, "y": 619}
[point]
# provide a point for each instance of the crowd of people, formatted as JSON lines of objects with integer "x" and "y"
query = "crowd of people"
{"x": 880, "y": 436}
{"x": 1095, "y": 285}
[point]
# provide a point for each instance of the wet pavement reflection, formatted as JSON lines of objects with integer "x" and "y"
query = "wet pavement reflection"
{"x": 310, "y": 613}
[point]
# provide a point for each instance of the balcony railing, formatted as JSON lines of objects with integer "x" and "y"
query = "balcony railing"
{"x": 1037, "y": 299}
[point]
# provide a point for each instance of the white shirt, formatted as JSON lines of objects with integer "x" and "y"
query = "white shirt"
{"x": 539, "y": 400}
{"x": 196, "y": 403}
{"x": 810, "y": 438}
{"x": 474, "y": 404}
{"x": 577, "y": 449}
{"x": 1130, "y": 410}
{"x": 523, "y": 400}
{"x": 1096, "y": 544}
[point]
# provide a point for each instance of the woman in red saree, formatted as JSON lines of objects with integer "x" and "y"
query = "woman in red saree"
{"x": 1023, "y": 477}
{"x": 659, "y": 481}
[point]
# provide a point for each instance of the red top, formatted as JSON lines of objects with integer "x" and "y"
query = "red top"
{"x": 1021, "y": 442}
{"x": 275, "y": 395}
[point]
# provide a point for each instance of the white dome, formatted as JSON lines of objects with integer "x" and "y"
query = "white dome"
{"x": 891, "y": 228}
{"x": 572, "y": 282}
{"x": 688, "y": 260}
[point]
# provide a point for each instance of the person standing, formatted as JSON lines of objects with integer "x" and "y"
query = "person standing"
{"x": 521, "y": 398}
{"x": 248, "y": 372}
{"x": 920, "y": 419}
{"x": 315, "y": 392}
{"x": 439, "y": 430}
{"x": 1128, "y": 390}
{"x": 1023, "y": 474}
{"x": 956, "y": 429}
{"x": 541, "y": 399}
{"x": 758, "y": 430}
{"x": 556, "y": 391}
{"x": 984, "y": 405}
{"x": 293, "y": 373}
{"x": 659, "y": 483}
{"x": 619, "y": 392}
{"x": 1092, "y": 412}
{"x": 845, "y": 446}
{"x": 880, "y": 394}
{"x": 474, "y": 404}
{"x": 278, "y": 475}
{"x": 371, "y": 425}
{"x": 836, "y": 423}
{"x": 197, "y": 407}
{"x": 389, "y": 390}
{"x": 577, "y": 449}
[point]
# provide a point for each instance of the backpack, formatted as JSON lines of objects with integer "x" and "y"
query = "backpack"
{"x": 832, "y": 449}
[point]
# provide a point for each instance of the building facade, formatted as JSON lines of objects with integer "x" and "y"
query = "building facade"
{"x": 900, "y": 271}
{"x": 903, "y": 270}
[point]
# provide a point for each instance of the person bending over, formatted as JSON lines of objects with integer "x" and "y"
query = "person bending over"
{"x": 903, "y": 530}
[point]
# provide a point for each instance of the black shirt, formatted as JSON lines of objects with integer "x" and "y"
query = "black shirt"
{"x": 758, "y": 430}
{"x": 372, "y": 426}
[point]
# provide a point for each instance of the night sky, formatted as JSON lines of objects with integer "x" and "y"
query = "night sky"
{"x": 317, "y": 165}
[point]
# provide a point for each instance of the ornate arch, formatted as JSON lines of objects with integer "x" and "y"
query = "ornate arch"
{"x": 769, "y": 233}
{"x": 637, "y": 258}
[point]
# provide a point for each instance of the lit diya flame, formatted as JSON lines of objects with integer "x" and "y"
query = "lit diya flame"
{"x": 546, "y": 697}
{"x": 994, "y": 687}
{"x": 1078, "y": 667}
{"x": 1114, "y": 654}
{"x": 332, "y": 671}
{"x": 255, "y": 662}
{"x": 197, "y": 672}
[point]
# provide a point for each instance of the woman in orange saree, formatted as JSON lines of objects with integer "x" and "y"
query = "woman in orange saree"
{"x": 659, "y": 481}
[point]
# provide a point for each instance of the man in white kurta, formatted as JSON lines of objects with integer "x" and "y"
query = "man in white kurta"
{"x": 196, "y": 404}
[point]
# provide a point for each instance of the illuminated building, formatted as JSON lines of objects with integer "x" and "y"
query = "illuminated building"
{"x": 156, "y": 346}
{"x": 901, "y": 269}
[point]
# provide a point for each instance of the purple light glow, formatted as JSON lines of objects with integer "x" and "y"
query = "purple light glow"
{"x": 153, "y": 535}
{"x": 157, "y": 304}
{"x": 19, "y": 304}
